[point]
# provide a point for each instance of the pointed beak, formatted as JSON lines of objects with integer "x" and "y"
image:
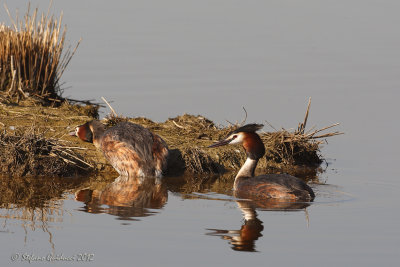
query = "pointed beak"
{"x": 72, "y": 133}
{"x": 221, "y": 143}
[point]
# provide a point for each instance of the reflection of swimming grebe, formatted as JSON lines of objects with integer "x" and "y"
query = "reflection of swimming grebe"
{"x": 130, "y": 148}
{"x": 245, "y": 238}
{"x": 282, "y": 186}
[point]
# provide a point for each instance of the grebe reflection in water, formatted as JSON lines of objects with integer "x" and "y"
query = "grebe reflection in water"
{"x": 126, "y": 198}
{"x": 245, "y": 238}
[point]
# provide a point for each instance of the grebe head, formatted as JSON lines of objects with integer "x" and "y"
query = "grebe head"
{"x": 85, "y": 131}
{"x": 247, "y": 136}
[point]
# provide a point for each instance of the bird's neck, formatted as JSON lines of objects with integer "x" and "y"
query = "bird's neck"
{"x": 97, "y": 131}
{"x": 246, "y": 171}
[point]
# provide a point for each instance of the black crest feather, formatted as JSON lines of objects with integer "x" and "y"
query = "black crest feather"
{"x": 248, "y": 128}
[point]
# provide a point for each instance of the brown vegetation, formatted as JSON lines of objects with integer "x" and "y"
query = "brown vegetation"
{"x": 32, "y": 57}
{"x": 286, "y": 151}
{"x": 187, "y": 137}
{"x": 29, "y": 153}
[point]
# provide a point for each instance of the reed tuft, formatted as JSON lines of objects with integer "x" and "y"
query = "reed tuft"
{"x": 32, "y": 56}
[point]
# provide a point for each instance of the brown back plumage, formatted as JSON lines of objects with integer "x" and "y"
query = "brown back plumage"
{"x": 130, "y": 148}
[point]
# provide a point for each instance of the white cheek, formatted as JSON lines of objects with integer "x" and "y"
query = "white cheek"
{"x": 237, "y": 140}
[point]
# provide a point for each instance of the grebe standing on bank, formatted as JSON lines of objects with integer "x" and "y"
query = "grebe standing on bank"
{"x": 130, "y": 148}
{"x": 282, "y": 186}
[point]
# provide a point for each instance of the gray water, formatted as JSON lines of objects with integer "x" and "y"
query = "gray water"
{"x": 160, "y": 59}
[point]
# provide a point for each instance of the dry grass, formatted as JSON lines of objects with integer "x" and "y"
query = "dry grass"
{"x": 286, "y": 151}
{"x": 31, "y": 57}
{"x": 31, "y": 154}
{"x": 299, "y": 147}
{"x": 188, "y": 136}
{"x": 198, "y": 161}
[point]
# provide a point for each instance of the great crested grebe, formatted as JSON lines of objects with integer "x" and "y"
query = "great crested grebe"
{"x": 282, "y": 186}
{"x": 131, "y": 149}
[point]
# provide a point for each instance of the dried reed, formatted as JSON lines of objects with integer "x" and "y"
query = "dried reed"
{"x": 31, "y": 56}
{"x": 299, "y": 147}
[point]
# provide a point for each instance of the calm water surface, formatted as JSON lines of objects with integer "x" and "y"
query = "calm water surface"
{"x": 160, "y": 59}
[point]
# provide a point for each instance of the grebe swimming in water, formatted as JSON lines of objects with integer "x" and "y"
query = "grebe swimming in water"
{"x": 131, "y": 149}
{"x": 281, "y": 186}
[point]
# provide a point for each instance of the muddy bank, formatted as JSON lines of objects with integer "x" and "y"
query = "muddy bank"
{"x": 34, "y": 140}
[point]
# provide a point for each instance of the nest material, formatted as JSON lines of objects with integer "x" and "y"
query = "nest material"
{"x": 111, "y": 120}
{"x": 198, "y": 161}
{"x": 288, "y": 148}
{"x": 192, "y": 134}
{"x": 34, "y": 155}
{"x": 187, "y": 137}
{"x": 299, "y": 147}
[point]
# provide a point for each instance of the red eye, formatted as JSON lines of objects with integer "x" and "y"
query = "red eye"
{"x": 233, "y": 137}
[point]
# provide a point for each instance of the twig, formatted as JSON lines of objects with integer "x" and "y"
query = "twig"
{"x": 320, "y": 130}
{"x": 310, "y": 130}
{"x": 11, "y": 18}
{"x": 75, "y": 157}
{"x": 270, "y": 125}
{"x": 73, "y": 147}
{"x": 245, "y": 118}
{"x": 302, "y": 126}
{"x": 13, "y": 72}
{"x": 326, "y": 135}
{"x": 232, "y": 124}
{"x": 108, "y": 104}
{"x": 68, "y": 161}
{"x": 177, "y": 125}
